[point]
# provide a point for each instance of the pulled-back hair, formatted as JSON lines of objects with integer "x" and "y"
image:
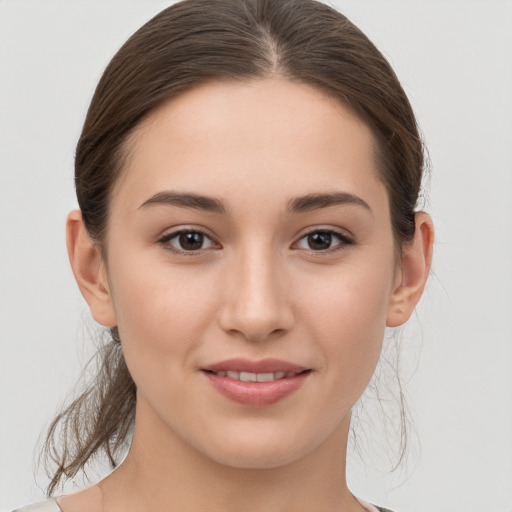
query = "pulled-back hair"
{"x": 194, "y": 42}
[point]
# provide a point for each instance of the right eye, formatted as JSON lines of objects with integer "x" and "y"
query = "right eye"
{"x": 187, "y": 241}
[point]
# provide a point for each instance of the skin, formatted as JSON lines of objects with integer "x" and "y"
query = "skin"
{"x": 255, "y": 289}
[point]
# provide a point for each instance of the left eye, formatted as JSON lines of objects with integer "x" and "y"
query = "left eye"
{"x": 323, "y": 240}
{"x": 187, "y": 241}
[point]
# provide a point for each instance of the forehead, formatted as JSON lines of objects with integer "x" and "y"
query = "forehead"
{"x": 227, "y": 138}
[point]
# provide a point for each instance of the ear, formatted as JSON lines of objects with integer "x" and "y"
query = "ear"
{"x": 413, "y": 272}
{"x": 89, "y": 270}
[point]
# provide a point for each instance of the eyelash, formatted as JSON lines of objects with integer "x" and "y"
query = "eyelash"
{"x": 165, "y": 241}
{"x": 343, "y": 240}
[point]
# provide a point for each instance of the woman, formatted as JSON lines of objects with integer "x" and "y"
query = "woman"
{"x": 247, "y": 177}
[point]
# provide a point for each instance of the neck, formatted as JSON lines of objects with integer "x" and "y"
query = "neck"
{"x": 162, "y": 472}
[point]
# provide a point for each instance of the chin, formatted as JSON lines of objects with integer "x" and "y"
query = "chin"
{"x": 250, "y": 458}
{"x": 255, "y": 450}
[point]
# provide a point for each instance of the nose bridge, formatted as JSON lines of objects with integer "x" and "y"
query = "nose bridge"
{"x": 256, "y": 304}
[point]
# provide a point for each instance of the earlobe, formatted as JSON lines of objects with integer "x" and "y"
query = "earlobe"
{"x": 414, "y": 270}
{"x": 89, "y": 270}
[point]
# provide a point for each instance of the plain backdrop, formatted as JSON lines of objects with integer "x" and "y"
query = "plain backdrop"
{"x": 454, "y": 58}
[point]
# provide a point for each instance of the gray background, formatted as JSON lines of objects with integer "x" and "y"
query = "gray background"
{"x": 454, "y": 60}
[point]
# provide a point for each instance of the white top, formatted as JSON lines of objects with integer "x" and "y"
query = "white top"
{"x": 51, "y": 506}
{"x": 367, "y": 506}
{"x": 43, "y": 506}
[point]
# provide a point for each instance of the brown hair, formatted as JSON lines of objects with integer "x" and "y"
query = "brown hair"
{"x": 193, "y": 42}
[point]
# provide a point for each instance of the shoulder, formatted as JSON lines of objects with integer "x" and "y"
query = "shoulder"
{"x": 373, "y": 508}
{"x": 43, "y": 506}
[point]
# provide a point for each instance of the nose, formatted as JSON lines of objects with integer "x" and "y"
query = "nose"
{"x": 256, "y": 304}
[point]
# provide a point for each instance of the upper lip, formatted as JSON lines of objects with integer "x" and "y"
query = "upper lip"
{"x": 262, "y": 366}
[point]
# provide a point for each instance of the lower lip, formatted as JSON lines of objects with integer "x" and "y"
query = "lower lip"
{"x": 256, "y": 394}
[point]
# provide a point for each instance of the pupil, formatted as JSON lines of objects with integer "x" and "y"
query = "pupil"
{"x": 191, "y": 241}
{"x": 319, "y": 241}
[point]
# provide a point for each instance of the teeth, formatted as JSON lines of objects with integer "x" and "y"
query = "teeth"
{"x": 255, "y": 377}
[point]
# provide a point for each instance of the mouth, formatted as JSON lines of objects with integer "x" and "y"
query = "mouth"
{"x": 256, "y": 383}
{"x": 256, "y": 377}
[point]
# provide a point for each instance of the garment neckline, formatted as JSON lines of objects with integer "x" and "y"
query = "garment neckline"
{"x": 368, "y": 506}
{"x": 57, "y": 503}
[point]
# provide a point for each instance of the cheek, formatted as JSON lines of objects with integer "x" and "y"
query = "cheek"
{"x": 346, "y": 315}
{"x": 162, "y": 314}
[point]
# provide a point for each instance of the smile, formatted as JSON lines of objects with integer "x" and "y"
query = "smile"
{"x": 256, "y": 377}
{"x": 256, "y": 383}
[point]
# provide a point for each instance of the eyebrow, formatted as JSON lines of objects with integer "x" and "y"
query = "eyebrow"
{"x": 316, "y": 201}
{"x": 300, "y": 204}
{"x": 186, "y": 200}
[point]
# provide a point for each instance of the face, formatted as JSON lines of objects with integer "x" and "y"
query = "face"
{"x": 250, "y": 234}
